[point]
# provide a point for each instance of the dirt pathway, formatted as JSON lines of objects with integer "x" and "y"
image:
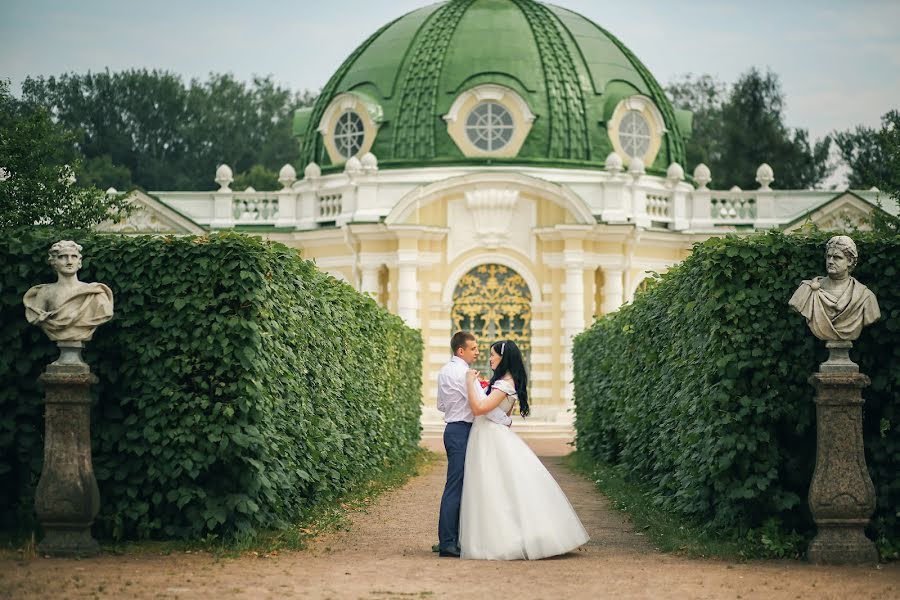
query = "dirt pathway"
{"x": 386, "y": 554}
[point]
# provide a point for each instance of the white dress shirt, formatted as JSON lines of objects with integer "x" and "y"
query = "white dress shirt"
{"x": 453, "y": 396}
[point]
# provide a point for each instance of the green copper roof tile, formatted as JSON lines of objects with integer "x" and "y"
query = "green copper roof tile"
{"x": 414, "y": 132}
{"x": 569, "y": 71}
{"x": 313, "y": 149}
{"x": 568, "y": 126}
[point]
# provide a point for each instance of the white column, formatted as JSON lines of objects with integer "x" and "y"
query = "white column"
{"x": 765, "y": 210}
{"x": 369, "y": 284}
{"x": 573, "y": 311}
{"x": 287, "y": 208}
{"x": 308, "y": 205}
{"x": 407, "y": 287}
{"x": 639, "y": 205}
{"x": 573, "y": 323}
{"x": 612, "y": 290}
{"x": 680, "y": 220}
{"x": 223, "y": 217}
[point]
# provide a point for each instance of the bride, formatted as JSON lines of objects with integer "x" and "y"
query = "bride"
{"x": 512, "y": 508}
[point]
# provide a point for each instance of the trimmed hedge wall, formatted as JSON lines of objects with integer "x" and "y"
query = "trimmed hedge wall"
{"x": 239, "y": 386}
{"x": 699, "y": 387}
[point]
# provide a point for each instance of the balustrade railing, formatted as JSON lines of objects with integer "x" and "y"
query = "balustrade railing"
{"x": 732, "y": 207}
{"x": 330, "y": 206}
{"x": 659, "y": 207}
{"x": 255, "y": 207}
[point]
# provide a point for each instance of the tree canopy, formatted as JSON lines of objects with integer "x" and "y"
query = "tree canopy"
{"x": 150, "y": 129}
{"x": 38, "y": 172}
{"x": 872, "y": 155}
{"x": 737, "y": 129}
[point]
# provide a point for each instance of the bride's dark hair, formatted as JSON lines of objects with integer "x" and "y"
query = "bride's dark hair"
{"x": 511, "y": 362}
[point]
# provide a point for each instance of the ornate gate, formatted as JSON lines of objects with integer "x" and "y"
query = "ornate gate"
{"x": 493, "y": 302}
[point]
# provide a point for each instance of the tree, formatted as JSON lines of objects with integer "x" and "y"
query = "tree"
{"x": 740, "y": 131}
{"x": 169, "y": 135}
{"x": 703, "y": 96}
{"x": 258, "y": 177}
{"x": 867, "y": 151}
{"x": 37, "y": 182}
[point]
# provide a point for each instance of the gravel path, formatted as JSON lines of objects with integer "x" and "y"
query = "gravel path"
{"x": 387, "y": 554}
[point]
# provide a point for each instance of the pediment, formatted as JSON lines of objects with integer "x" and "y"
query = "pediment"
{"x": 844, "y": 212}
{"x": 151, "y": 216}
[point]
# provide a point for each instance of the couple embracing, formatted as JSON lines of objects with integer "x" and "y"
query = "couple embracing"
{"x": 499, "y": 502}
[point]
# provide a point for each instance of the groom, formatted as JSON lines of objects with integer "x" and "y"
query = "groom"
{"x": 453, "y": 401}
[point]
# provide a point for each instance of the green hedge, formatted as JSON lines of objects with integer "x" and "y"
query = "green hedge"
{"x": 239, "y": 386}
{"x": 699, "y": 387}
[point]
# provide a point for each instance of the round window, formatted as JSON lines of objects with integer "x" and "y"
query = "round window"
{"x": 634, "y": 134}
{"x": 489, "y": 126}
{"x": 349, "y": 134}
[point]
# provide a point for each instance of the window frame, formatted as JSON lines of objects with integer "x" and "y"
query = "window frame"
{"x": 368, "y": 111}
{"x": 469, "y": 100}
{"x": 645, "y": 107}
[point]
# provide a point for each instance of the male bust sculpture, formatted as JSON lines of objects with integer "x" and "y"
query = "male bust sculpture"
{"x": 838, "y": 306}
{"x": 68, "y": 310}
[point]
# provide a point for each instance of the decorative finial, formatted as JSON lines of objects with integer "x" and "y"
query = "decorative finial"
{"x": 224, "y": 177}
{"x": 702, "y": 176}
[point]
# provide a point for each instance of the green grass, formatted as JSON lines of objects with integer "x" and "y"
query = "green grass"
{"x": 331, "y": 516}
{"x": 670, "y": 533}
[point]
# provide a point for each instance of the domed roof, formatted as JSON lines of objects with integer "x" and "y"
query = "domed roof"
{"x": 570, "y": 72}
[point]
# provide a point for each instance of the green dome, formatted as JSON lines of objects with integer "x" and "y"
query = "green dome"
{"x": 571, "y": 73}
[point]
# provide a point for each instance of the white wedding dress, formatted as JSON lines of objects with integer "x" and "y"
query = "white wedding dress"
{"x": 512, "y": 508}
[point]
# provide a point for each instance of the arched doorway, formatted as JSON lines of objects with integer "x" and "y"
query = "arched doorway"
{"x": 493, "y": 302}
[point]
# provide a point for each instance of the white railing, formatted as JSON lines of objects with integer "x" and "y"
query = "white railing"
{"x": 732, "y": 207}
{"x": 254, "y": 208}
{"x": 659, "y": 207}
{"x": 329, "y": 206}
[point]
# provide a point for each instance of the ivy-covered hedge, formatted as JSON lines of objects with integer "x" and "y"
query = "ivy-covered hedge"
{"x": 699, "y": 387}
{"x": 239, "y": 386}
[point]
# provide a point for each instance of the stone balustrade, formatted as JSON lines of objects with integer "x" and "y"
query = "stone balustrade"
{"x": 363, "y": 193}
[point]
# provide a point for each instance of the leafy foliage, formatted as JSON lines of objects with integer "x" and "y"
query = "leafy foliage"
{"x": 873, "y": 155}
{"x": 37, "y": 184}
{"x": 168, "y": 135}
{"x": 239, "y": 386}
{"x": 259, "y": 178}
{"x": 703, "y": 95}
{"x": 874, "y": 159}
{"x": 699, "y": 388}
{"x": 738, "y": 131}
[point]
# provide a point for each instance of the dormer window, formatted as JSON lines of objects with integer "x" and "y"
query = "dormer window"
{"x": 349, "y": 126}
{"x": 635, "y": 129}
{"x": 489, "y": 120}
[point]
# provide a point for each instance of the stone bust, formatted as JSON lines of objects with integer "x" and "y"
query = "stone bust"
{"x": 68, "y": 310}
{"x": 838, "y": 306}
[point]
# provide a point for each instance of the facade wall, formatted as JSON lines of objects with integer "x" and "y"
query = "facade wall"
{"x": 583, "y": 241}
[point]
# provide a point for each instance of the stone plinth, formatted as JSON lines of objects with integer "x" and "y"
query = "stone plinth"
{"x": 841, "y": 495}
{"x": 67, "y": 498}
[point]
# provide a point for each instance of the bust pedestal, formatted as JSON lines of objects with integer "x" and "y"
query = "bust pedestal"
{"x": 67, "y": 498}
{"x": 841, "y": 495}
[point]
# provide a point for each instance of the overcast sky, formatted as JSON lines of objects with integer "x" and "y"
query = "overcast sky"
{"x": 839, "y": 62}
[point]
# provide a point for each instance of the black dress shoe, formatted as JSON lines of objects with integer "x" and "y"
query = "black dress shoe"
{"x": 449, "y": 552}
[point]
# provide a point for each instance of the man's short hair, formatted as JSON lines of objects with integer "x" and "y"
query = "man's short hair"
{"x": 459, "y": 340}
